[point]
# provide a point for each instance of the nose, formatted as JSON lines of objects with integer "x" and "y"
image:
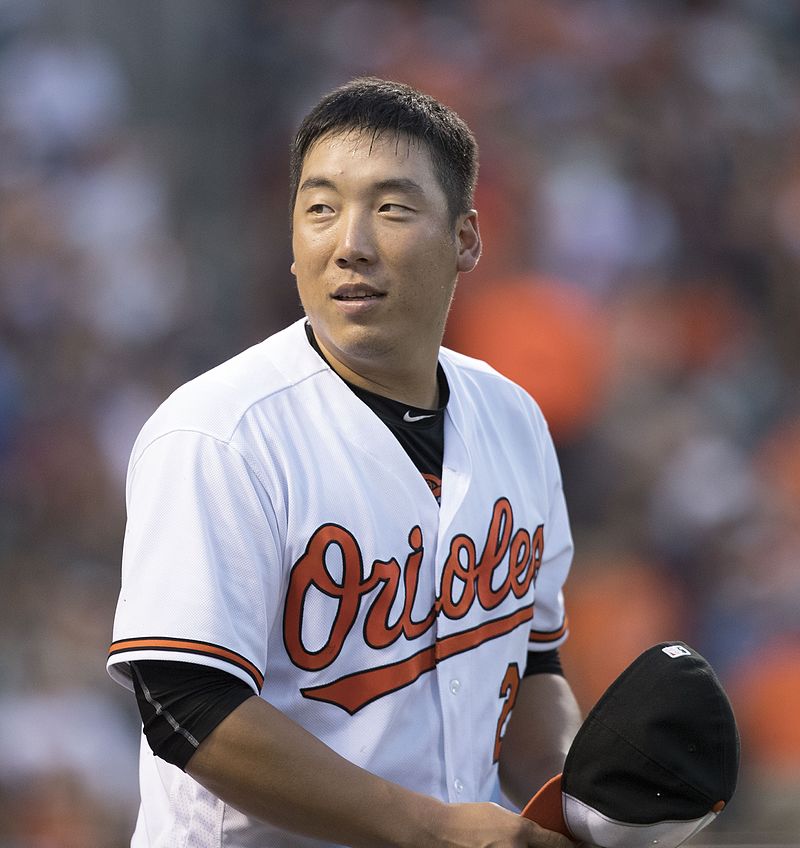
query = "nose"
{"x": 356, "y": 246}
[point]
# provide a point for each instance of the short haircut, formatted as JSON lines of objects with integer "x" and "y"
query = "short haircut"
{"x": 378, "y": 106}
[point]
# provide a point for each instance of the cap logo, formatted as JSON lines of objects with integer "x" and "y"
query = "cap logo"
{"x": 676, "y": 651}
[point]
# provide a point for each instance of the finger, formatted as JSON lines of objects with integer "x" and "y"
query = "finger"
{"x": 550, "y": 839}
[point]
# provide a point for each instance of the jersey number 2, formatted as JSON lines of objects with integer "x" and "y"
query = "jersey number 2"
{"x": 508, "y": 690}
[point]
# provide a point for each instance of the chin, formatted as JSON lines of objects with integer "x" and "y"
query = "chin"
{"x": 360, "y": 342}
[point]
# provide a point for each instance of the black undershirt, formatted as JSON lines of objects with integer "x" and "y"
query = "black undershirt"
{"x": 181, "y": 703}
{"x": 423, "y": 438}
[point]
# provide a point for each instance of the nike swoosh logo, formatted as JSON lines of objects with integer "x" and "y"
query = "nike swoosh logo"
{"x": 412, "y": 418}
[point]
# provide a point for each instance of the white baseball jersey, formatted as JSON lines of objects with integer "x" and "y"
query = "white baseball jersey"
{"x": 278, "y": 530}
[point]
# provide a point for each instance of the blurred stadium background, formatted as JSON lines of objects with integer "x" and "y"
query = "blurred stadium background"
{"x": 640, "y": 203}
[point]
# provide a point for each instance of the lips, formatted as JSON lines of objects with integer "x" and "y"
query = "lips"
{"x": 356, "y": 291}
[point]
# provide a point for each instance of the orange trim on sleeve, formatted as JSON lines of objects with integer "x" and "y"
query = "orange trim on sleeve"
{"x": 155, "y": 643}
{"x": 549, "y": 635}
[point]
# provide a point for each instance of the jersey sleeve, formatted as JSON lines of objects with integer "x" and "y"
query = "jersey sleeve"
{"x": 550, "y": 627}
{"x": 201, "y": 564}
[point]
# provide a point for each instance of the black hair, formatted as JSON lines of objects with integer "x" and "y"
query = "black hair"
{"x": 377, "y": 106}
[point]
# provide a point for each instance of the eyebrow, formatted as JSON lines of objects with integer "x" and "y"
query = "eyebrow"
{"x": 403, "y": 184}
{"x": 316, "y": 182}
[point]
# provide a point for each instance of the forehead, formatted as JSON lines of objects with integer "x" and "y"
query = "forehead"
{"x": 362, "y": 158}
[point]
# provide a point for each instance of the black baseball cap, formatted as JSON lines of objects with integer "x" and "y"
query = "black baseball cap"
{"x": 654, "y": 762}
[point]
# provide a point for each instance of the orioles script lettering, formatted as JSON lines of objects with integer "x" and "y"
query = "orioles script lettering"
{"x": 507, "y": 564}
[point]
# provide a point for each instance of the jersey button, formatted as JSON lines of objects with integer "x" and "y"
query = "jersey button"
{"x": 455, "y": 685}
{"x": 459, "y": 786}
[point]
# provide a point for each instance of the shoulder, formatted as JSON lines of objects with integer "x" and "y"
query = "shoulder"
{"x": 216, "y": 402}
{"x": 475, "y": 377}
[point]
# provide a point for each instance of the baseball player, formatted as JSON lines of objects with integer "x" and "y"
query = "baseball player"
{"x": 341, "y": 599}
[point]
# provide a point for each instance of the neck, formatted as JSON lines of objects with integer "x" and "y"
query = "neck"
{"x": 416, "y": 386}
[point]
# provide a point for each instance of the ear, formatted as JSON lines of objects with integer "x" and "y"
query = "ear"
{"x": 469, "y": 241}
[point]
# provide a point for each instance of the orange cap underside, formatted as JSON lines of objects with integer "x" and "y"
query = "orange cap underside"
{"x": 546, "y": 807}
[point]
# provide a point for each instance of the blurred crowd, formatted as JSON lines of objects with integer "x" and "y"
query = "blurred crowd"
{"x": 640, "y": 206}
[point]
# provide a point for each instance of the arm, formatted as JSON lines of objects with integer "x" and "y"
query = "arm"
{"x": 542, "y": 726}
{"x": 263, "y": 763}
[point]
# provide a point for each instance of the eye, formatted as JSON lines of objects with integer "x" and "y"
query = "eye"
{"x": 320, "y": 209}
{"x": 395, "y": 208}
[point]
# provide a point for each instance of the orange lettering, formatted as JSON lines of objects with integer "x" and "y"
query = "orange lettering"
{"x": 494, "y": 552}
{"x": 509, "y": 689}
{"x": 310, "y": 571}
{"x": 454, "y": 570}
{"x": 463, "y": 570}
{"x": 377, "y": 631}
{"x": 519, "y": 562}
{"x": 413, "y": 629}
{"x": 538, "y": 552}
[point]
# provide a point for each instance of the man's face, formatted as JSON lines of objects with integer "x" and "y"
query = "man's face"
{"x": 376, "y": 254}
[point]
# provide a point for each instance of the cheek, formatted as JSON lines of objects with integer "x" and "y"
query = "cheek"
{"x": 433, "y": 267}
{"x": 311, "y": 250}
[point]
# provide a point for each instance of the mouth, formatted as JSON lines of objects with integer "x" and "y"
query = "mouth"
{"x": 356, "y": 292}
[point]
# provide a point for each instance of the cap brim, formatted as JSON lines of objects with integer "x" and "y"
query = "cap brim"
{"x": 546, "y": 808}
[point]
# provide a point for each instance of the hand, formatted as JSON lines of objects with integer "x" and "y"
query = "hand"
{"x": 490, "y": 826}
